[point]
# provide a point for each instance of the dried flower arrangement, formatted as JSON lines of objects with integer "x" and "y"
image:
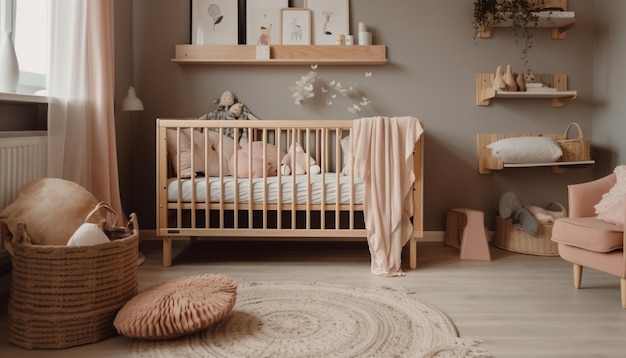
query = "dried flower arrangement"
{"x": 305, "y": 89}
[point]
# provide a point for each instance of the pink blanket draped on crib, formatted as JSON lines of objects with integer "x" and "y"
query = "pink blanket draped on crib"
{"x": 382, "y": 148}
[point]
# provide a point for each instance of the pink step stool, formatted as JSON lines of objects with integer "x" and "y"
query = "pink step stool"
{"x": 465, "y": 229}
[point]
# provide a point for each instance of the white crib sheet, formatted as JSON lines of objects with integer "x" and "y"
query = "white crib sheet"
{"x": 272, "y": 189}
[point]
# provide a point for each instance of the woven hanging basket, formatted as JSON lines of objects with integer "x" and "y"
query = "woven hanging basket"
{"x": 513, "y": 238}
{"x": 575, "y": 150}
{"x": 64, "y": 296}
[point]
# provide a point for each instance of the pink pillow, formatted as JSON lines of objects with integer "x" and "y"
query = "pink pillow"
{"x": 177, "y": 307}
{"x": 200, "y": 152}
{"x": 260, "y": 167}
{"x": 212, "y": 151}
{"x": 615, "y": 194}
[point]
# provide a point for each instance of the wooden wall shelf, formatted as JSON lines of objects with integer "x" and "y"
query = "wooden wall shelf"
{"x": 487, "y": 162}
{"x": 282, "y": 55}
{"x": 559, "y": 21}
{"x": 485, "y": 92}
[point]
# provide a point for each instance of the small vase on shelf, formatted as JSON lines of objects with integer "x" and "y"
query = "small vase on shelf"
{"x": 9, "y": 68}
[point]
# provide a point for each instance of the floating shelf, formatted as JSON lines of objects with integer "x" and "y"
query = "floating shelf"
{"x": 282, "y": 55}
{"x": 559, "y": 21}
{"x": 485, "y": 92}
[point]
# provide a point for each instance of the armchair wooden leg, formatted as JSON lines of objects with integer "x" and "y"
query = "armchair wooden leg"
{"x": 622, "y": 286}
{"x": 578, "y": 275}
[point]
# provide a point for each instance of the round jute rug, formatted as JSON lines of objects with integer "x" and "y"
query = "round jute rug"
{"x": 312, "y": 319}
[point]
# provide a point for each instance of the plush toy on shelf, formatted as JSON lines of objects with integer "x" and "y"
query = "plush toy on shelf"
{"x": 300, "y": 162}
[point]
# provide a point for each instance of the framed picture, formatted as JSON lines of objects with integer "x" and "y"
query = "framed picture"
{"x": 330, "y": 18}
{"x": 295, "y": 26}
{"x": 263, "y": 21}
{"x": 214, "y": 22}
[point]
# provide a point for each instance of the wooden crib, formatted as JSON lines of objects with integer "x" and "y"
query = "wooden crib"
{"x": 253, "y": 207}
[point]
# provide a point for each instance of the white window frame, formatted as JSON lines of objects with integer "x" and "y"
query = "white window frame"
{"x": 8, "y": 14}
{"x": 30, "y": 82}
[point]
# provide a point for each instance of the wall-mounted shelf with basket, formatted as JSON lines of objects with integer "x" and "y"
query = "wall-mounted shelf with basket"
{"x": 576, "y": 152}
{"x": 282, "y": 55}
{"x": 485, "y": 92}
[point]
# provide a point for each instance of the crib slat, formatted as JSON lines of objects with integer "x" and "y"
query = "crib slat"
{"x": 293, "y": 182}
{"x": 279, "y": 194}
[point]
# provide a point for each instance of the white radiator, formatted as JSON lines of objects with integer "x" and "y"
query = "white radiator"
{"x": 23, "y": 158}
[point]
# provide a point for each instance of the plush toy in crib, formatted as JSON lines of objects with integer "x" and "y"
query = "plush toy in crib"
{"x": 300, "y": 165}
{"x": 229, "y": 107}
{"x": 260, "y": 167}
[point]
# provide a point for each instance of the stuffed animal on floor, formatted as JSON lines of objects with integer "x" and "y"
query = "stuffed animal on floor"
{"x": 528, "y": 216}
{"x": 511, "y": 207}
{"x": 300, "y": 165}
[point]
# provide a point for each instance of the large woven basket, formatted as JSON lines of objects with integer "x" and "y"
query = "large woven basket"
{"x": 576, "y": 149}
{"x": 64, "y": 296}
{"x": 513, "y": 238}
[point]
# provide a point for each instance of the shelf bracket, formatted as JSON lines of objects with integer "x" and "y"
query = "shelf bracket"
{"x": 484, "y": 92}
{"x": 559, "y": 33}
{"x": 484, "y": 32}
{"x": 560, "y": 83}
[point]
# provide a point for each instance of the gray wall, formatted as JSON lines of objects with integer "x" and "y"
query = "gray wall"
{"x": 433, "y": 60}
{"x": 609, "y": 97}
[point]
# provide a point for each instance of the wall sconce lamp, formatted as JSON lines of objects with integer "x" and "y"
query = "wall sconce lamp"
{"x": 132, "y": 102}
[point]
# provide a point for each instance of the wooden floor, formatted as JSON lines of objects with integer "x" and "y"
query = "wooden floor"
{"x": 519, "y": 305}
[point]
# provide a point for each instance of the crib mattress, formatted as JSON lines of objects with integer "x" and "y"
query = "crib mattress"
{"x": 254, "y": 188}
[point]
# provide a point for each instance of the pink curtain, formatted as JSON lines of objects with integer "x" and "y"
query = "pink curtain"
{"x": 81, "y": 121}
{"x": 100, "y": 61}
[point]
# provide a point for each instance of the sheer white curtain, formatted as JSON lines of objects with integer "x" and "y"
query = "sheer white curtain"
{"x": 81, "y": 125}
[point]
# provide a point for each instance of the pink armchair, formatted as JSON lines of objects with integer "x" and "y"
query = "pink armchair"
{"x": 586, "y": 241}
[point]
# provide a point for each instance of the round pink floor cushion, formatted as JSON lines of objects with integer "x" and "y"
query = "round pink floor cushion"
{"x": 177, "y": 307}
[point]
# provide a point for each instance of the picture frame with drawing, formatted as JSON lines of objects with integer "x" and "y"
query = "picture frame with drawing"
{"x": 295, "y": 26}
{"x": 263, "y": 21}
{"x": 330, "y": 18}
{"x": 214, "y": 22}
